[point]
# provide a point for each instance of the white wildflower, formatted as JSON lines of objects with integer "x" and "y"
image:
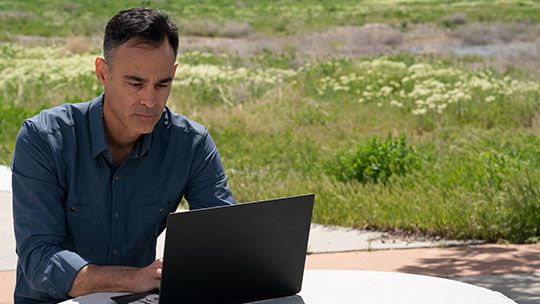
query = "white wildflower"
{"x": 490, "y": 99}
{"x": 396, "y": 103}
{"x": 420, "y": 111}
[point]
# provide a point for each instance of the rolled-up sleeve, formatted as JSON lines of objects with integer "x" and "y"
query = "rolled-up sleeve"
{"x": 207, "y": 185}
{"x": 39, "y": 216}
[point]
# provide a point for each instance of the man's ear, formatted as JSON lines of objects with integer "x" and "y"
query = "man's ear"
{"x": 102, "y": 70}
{"x": 174, "y": 69}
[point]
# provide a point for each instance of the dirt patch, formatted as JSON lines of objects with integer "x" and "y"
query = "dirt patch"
{"x": 515, "y": 46}
{"x": 34, "y": 41}
{"x": 14, "y": 14}
{"x": 494, "y": 33}
{"x": 210, "y": 28}
{"x": 428, "y": 34}
{"x": 534, "y": 124}
{"x": 348, "y": 41}
{"x": 378, "y": 39}
{"x": 73, "y": 44}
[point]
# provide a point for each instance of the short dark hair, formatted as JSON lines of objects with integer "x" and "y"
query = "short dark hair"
{"x": 152, "y": 26}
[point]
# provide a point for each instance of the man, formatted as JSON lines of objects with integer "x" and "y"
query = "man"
{"x": 93, "y": 182}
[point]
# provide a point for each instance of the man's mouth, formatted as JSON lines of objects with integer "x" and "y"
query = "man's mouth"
{"x": 146, "y": 117}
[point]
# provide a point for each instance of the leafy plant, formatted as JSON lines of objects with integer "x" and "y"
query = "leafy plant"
{"x": 377, "y": 160}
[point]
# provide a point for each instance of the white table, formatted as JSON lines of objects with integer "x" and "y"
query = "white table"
{"x": 353, "y": 286}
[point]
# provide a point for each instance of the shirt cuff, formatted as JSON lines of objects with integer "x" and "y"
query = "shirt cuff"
{"x": 61, "y": 272}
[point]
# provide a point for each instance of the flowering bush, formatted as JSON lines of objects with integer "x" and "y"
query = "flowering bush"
{"x": 419, "y": 88}
{"x": 32, "y": 73}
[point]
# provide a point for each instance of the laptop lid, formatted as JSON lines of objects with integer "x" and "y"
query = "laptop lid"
{"x": 237, "y": 253}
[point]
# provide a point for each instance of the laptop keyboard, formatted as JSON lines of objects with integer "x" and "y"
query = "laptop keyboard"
{"x": 149, "y": 299}
{"x": 137, "y": 298}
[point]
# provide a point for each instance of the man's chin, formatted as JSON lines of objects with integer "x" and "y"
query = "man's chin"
{"x": 145, "y": 127}
{"x": 146, "y": 131}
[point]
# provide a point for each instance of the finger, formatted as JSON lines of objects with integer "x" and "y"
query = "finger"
{"x": 157, "y": 274}
{"x": 156, "y": 284}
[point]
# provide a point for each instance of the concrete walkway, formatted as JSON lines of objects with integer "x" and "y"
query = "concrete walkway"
{"x": 513, "y": 270}
{"x": 8, "y": 258}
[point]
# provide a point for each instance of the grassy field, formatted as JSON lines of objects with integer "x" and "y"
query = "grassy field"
{"x": 236, "y": 18}
{"x": 397, "y": 142}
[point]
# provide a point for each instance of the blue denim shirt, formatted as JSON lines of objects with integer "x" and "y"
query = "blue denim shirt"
{"x": 72, "y": 206}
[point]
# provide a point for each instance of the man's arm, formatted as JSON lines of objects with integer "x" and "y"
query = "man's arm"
{"x": 39, "y": 217}
{"x": 207, "y": 185}
{"x": 40, "y": 229}
{"x": 93, "y": 278}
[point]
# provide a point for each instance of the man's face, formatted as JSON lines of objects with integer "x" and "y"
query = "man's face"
{"x": 137, "y": 81}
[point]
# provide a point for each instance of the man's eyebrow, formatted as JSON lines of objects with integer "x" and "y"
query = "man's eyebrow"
{"x": 139, "y": 79}
{"x": 134, "y": 78}
{"x": 166, "y": 80}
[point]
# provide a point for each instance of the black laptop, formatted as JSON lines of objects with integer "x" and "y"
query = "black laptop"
{"x": 234, "y": 254}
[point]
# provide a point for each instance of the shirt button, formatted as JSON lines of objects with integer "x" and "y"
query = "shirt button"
{"x": 114, "y": 252}
{"x": 160, "y": 210}
{"x": 116, "y": 215}
{"x": 116, "y": 178}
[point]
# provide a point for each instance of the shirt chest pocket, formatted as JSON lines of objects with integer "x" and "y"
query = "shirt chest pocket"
{"x": 151, "y": 219}
{"x": 81, "y": 220}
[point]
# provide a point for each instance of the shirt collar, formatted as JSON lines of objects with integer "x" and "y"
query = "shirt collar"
{"x": 144, "y": 144}
{"x": 97, "y": 129}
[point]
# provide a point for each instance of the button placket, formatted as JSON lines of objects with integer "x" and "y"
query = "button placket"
{"x": 116, "y": 200}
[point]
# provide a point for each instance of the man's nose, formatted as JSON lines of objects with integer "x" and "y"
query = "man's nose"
{"x": 149, "y": 97}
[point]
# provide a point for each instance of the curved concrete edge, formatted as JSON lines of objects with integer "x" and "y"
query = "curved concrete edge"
{"x": 5, "y": 179}
{"x": 8, "y": 258}
{"x": 330, "y": 239}
{"x": 524, "y": 288}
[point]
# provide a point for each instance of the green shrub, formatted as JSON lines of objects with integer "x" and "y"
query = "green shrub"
{"x": 377, "y": 160}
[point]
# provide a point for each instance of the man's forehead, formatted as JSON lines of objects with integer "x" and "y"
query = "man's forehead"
{"x": 129, "y": 58}
{"x": 137, "y": 42}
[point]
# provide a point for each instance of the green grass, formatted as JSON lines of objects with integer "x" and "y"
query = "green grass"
{"x": 85, "y": 17}
{"x": 479, "y": 170}
{"x": 278, "y": 127}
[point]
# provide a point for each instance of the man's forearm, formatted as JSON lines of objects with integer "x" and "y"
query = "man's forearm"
{"x": 94, "y": 278}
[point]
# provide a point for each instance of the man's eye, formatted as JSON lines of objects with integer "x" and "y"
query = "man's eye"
{"x": 162, "y": 85}
{"x": 134, "y": 84}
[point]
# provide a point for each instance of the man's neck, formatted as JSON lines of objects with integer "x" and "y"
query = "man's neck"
{"x": 120, "y": 150}
{"x": 119, "y": 142}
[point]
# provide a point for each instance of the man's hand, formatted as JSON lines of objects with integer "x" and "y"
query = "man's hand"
{"x": 94, "y": 278}
{"x": 148, "y": 278}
